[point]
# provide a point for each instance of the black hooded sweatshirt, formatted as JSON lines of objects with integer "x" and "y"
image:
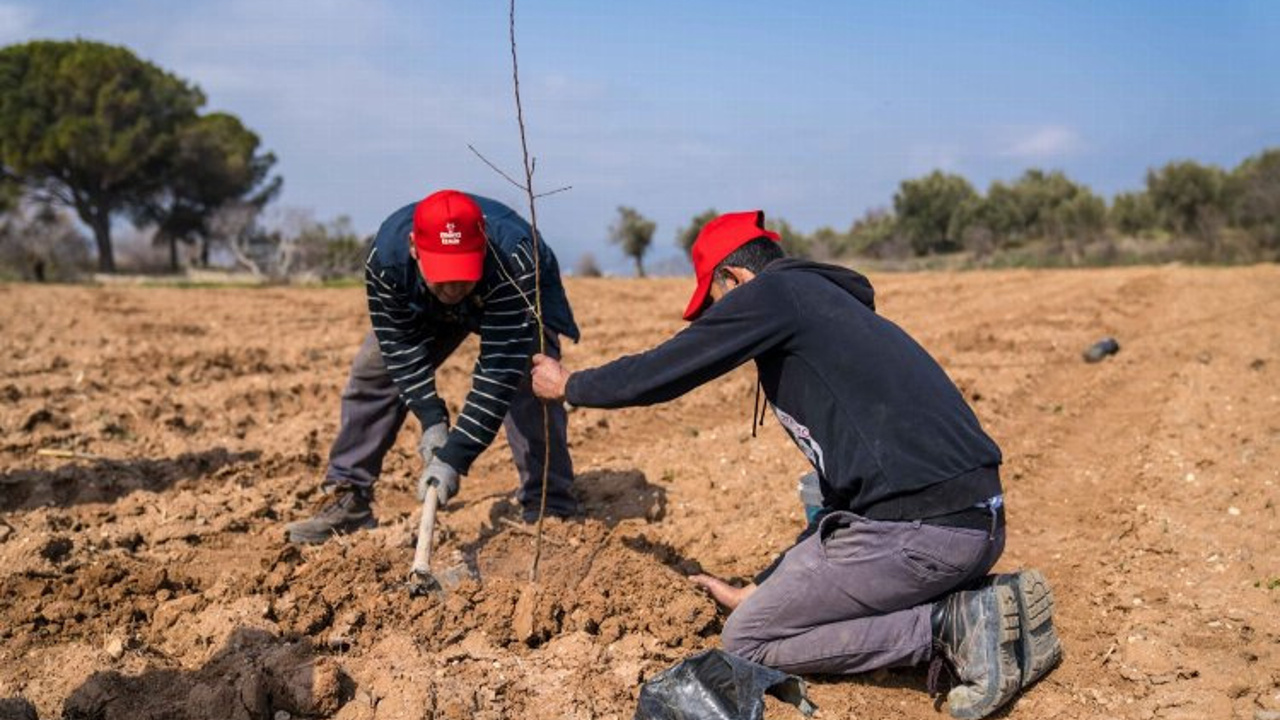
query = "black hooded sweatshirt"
{"x": 888, "y": 432}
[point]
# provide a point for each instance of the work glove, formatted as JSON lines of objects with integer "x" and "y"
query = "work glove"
{"x": 445, "y": 479}
{"x": 433, "y": 438}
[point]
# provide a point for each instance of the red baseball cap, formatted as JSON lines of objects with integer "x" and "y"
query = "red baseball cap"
{"x": 718, "y": 239}
{"x": 448, "y": 233}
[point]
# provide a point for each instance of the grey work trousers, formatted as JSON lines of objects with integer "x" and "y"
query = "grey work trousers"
{"x": 856, "y": 595}
{"x": 372, "y": 414}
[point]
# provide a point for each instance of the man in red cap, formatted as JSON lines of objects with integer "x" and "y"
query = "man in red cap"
{"x": 440, "y": 269}
{"x": 893, "y": 568}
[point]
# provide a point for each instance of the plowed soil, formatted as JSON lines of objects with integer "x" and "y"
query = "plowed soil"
{"x": 145, "y": 574}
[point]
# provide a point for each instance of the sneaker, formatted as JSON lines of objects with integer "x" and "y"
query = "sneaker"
{"x": 1038, "y": 648}
{"x": 344, "y": 511}
{"x": 977, "y": 632}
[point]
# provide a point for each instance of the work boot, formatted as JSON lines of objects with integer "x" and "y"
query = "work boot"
{"x": 977, "y": 631}
{"x": 567, "y": 510}
{"x": 344, "y": 510}
{"x": 1038, "y": 647}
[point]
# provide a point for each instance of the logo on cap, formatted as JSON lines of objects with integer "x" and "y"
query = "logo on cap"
{"x": 448, "y": 232}
{"x": 450, "y": 236}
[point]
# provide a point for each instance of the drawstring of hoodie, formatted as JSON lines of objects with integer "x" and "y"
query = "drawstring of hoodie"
{"x": 757, "y": 413}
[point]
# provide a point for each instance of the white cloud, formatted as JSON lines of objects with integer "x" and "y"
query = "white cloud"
{"x": 1042, "y": 143}
{"x": 15, "y": 23}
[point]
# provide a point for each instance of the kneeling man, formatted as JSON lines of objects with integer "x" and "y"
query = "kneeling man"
{"x": 894, "y": 569}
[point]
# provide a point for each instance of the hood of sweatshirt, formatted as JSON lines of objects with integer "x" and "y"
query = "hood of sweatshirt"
{"x": 854, "y": 283}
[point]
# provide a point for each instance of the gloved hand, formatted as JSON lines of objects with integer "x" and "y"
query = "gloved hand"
{"x": 433, "y": 438}
{"x": 443, "y": 476}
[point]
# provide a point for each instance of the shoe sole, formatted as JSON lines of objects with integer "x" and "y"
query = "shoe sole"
{"x": 1008, "y": 634}
{"x": 302, "y": 538}
{"x": 1039, "y": 649}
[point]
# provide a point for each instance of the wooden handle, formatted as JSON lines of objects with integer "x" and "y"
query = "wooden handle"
{"x": 426, "y": 528}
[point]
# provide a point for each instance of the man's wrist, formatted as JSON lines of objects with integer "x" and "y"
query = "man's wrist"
{"x": 564, "y": 389}
{"x": 430, "y": 413}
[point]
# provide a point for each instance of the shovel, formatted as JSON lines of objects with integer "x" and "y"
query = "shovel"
{"x": 421, "y": 581}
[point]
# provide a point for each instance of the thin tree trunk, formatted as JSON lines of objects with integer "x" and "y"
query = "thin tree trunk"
{"x": 173, "y": 253}
{"x": 639, "y": 266}
{"x": 100, "y": 223}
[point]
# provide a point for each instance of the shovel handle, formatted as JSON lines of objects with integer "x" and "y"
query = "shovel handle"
{"x": 426, "y": 530}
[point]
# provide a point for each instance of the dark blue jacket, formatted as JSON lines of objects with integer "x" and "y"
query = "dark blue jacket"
{"x": 406, "y": 318}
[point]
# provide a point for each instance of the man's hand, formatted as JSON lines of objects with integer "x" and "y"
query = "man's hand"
{"x": 724, "y": 593}
{"x": 443, "y": 476}
{"x": 433, "y": 438}
{"x": 549, "y": 378}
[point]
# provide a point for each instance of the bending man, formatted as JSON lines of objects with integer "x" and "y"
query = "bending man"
{"x": 450, "y": 265}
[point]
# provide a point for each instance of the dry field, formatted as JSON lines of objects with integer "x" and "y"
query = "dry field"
{"x": 149, "y": 578}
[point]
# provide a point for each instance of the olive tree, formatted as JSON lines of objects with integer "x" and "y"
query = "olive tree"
{"x": 1190, "y": 199}
{"x": 632, "y": 232}
{"x": 1256, "y": 187}
{"x": 925, "y": 208}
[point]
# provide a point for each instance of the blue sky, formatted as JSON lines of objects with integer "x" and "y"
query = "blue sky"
{"x": 813, "y": 111}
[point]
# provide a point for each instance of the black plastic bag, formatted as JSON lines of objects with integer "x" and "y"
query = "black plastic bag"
{"x": 715, "y": 685}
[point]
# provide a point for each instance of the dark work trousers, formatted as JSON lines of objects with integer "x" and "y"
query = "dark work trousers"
{"x": 856, "y": 595}
{"x": 372, "y": 414}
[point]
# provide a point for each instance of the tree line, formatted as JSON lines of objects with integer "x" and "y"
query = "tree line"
{"x": 1202, "y": 212}
{"x": 91, "y": 129}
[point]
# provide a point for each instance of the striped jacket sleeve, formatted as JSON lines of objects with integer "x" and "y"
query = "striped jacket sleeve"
{"x": 405, "y": 341}
{"x": 507, "y": 340}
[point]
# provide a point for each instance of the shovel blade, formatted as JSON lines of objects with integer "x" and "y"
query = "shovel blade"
{"x": 423, "y": 583}
{"x": 427, "y": 583}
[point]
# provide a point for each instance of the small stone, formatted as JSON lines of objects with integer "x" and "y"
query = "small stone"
{"x": 115, "y": 648}
{"x": 1233, "y": 511}
{"x": 282, "y": 715}
{"x": 1260, "y": 714}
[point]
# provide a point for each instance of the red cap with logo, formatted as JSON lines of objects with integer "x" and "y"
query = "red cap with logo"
{"x": 718, "y": 239}
{"x": 448, "y": 233}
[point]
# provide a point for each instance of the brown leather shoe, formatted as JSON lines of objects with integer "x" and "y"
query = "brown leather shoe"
{"x": 344, "y": 510}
